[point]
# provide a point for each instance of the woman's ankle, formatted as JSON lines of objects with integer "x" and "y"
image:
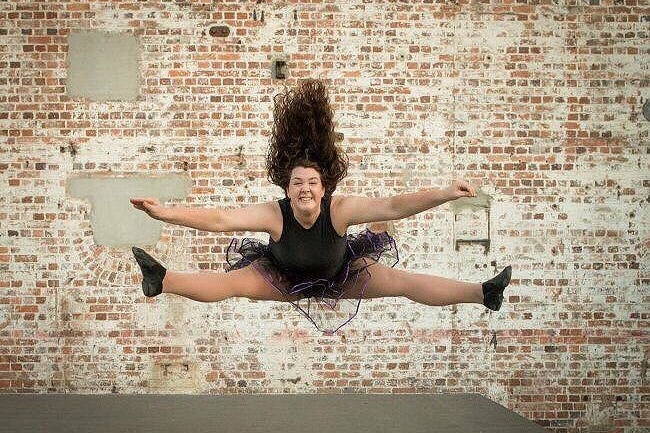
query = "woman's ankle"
{"x": 166, "y": 282}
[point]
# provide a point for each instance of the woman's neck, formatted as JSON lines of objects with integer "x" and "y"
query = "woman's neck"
{"x": 305, "y": 218}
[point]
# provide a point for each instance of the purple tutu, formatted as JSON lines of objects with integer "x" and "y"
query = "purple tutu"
{"x": 323, "y": 301}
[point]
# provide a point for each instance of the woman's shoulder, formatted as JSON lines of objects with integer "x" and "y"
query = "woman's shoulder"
{"x": 338, "y": 222}
{"x": 335, "y": 200}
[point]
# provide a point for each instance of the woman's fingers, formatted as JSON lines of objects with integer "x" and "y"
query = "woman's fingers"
{"x": 465, "y": 188}
{"x": 143, "y": 203}
{"x": 137, "y": 203}
{"x": 148, "y": 200}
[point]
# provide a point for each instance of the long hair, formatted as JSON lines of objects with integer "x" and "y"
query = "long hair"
{"x": 303, "y": 135}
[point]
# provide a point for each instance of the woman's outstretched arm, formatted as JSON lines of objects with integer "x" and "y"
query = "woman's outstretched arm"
{"x": 198, "y": 218}
{"x": 255, "y": 218}
{"x": 361, "y": 210}
{"x": 406, "y": 205}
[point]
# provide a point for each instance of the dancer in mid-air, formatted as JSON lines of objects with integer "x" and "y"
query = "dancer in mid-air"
{"x": 309, "y": 259}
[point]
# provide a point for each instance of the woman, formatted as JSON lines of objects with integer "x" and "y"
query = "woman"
{"x": 310, "y": 260}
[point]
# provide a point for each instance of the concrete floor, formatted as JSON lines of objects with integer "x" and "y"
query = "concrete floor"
{"x": 448, "y": 413}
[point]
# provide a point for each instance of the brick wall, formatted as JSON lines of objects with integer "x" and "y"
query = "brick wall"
{"x": 539, "y": 104}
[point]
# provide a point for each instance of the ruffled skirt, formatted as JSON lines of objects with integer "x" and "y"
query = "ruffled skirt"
{"x": 328, "y": 303}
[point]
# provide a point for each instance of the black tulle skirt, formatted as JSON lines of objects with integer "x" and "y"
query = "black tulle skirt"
{"x": 328, "y": 303}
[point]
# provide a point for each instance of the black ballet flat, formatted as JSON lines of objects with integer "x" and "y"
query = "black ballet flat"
{"x": 153, "y": 272}
{"x": 494, "y": 287}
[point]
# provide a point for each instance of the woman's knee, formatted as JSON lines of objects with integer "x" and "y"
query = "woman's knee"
{"x": 386, "y": 282}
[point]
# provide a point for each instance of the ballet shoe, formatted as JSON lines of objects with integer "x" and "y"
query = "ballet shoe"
{"x": 494, "y": 287}
{"x": 153, "y": 272}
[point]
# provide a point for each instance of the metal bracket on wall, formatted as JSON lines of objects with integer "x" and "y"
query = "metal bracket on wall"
{"x": 484, "y": 242}
{"x": 279, "y": 69}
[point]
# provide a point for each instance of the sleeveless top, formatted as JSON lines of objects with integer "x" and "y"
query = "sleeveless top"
{"x": 316, "y": 252}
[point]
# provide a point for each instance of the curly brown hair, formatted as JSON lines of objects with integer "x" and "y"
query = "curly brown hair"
{"x": 303, "y": 136}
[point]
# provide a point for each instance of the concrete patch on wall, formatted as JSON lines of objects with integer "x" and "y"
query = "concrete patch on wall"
{"x": 114, "y": 221}
{"x": 103, "y": 66}
{"x": 174, "y": 375}
{"x": 472, "y": 221}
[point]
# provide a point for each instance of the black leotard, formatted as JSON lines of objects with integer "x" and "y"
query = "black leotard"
{"x": 317, "y": 252}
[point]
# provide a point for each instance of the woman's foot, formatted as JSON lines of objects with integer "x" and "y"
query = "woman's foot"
{"x": 493, "y": 289}
{"x": 153, "y": 272}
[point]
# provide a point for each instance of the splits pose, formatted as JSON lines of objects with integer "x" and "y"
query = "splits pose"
{"x": 310, "y": 260}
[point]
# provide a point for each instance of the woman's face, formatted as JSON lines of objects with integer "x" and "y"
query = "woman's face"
{"x": 305, "y": 189}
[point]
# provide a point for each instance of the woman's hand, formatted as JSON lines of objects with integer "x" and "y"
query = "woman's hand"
{"x": 460, "y": 188}
{"x": 151, "y": 206}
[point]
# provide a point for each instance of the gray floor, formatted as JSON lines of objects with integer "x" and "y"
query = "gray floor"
{"x": 448, "y": 413}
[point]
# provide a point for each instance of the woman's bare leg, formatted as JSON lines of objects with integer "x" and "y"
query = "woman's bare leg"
{"x": 198, "y": 286}
{"x": 214, "y": 287}
{"x": 204, "y": 286}
{"x": 432, "y": 290}
{"x": 421, "y": 288}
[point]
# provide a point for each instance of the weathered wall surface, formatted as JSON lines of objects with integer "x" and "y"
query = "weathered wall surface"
{"x": 538, "y": 104}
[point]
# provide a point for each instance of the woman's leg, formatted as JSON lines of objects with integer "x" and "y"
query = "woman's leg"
{"x": 205, "y": 286}
{"x": 432, "y": 290}
{"x": 214, "y": 287}
{"x": 421, "y": 288}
